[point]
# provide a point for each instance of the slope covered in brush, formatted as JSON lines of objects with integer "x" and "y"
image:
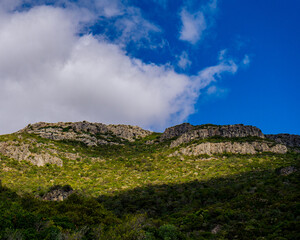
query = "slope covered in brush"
{"x": 136, "y": 184}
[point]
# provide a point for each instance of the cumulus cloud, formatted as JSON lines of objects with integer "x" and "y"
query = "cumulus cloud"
{"x": 8, "y": 5}
{"x": 50, "y": 73}
{"x": 119, "y": 22}
{"x": 195, "y": 23}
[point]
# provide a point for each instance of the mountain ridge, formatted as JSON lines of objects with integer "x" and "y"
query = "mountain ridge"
{"x": 185, "y": 139}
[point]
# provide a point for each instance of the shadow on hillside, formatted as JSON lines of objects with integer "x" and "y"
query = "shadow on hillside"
{"x": 250, "y": 191}
{"x": 252, "y": 205}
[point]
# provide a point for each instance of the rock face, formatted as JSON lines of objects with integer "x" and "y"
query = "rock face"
{"x": 286, "y": 139}
{"x": 229, "y": 147}
{"x": 91, "y": 134}
{"x": 187, "y": 132}
{"x": 128, "y": 132}
{"x": 23, "y": 152}
{"x": 176, "y": 131}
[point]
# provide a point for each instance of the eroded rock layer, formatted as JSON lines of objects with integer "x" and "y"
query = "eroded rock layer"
{"x": 187, "y": 133}
{"x": 286, "y": 139}
{"x": 230, "y": 147}
{"x": 91, "y": 134}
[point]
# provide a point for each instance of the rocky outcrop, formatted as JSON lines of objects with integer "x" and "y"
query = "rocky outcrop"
{"x": 286, "y": 139}
{"x": 23, "y": 151}
{"x": 285, "y": 171}
{"x": 230, "y": 147}
{"x": 176, "y": 131}
{"x": 58, "y": 193}
{"x": 128, "y": 132}
{"x": 226, "y": 131}
{"x": 216, "y": 229}
{"x": 91, "y": 134}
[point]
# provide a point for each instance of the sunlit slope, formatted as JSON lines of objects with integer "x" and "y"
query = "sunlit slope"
{"x": 48, "y": 154}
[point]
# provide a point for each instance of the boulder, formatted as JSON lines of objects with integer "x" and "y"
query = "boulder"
{"x": 58, "y": 193}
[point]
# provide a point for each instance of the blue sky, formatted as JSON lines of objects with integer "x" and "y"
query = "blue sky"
{"x": 150, "y": 63}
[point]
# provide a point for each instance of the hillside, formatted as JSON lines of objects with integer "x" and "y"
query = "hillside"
{"x": 124, "y": 182}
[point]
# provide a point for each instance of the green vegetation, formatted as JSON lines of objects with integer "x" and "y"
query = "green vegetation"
{"x": 136, "y": 191}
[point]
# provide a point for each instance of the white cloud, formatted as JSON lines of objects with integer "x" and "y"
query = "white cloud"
{"x": 109, "y": 8}
{"x": 122, "y": 21}
{"x": 183, "y": 61}
{"x": 49, "y": 73}
{"x": 212, "y": 90}
{"x": 194, "y": 24}
{"x": 211, "y": 74}
{"x": 216, "y": 91}
{"x": 8, "y": 5}
{"x": 246, "y": 60}
{"x": 222, "y": 54}
{"x": 212, "y": 5}
{"x": 133, "y": 27}
{"x": 102, "y": 8}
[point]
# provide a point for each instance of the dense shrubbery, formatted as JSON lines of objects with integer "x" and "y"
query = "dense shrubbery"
{"x": 254, "y": 205}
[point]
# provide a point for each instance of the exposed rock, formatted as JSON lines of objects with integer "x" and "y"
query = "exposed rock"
{"x": 21, "y": 151}
{"x": 128, "y": 132}
{"x": 58, "y": 193}
{"x": 285, "y": 171}
{"x": 176, "y": 131}
{"x": 91, "y": 134}
{"x": 216, "y": 229}
{"x": 227, "y": 131}
{"x": 286, "y": 139}
{"x": 229, "y": 147}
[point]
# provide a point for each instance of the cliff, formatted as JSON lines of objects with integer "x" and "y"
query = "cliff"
{"x": 230, "y": 147}
{"x": 186, "y": 133}
{"x": 183, "y": 139}
{"x": 286, "y": 139}
{"x": 91, "y": 134}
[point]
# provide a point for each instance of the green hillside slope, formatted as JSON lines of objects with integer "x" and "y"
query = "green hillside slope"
{"x": 142, "y": 187}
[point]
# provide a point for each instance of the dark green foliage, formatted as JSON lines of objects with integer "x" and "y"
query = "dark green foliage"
{"x": 254, "y": 205}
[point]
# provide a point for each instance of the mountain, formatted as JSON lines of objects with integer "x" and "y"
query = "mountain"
{"x": 86, "y": 180}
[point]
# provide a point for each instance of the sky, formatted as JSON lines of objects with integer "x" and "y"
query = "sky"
{"x": 151, "y": 63}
